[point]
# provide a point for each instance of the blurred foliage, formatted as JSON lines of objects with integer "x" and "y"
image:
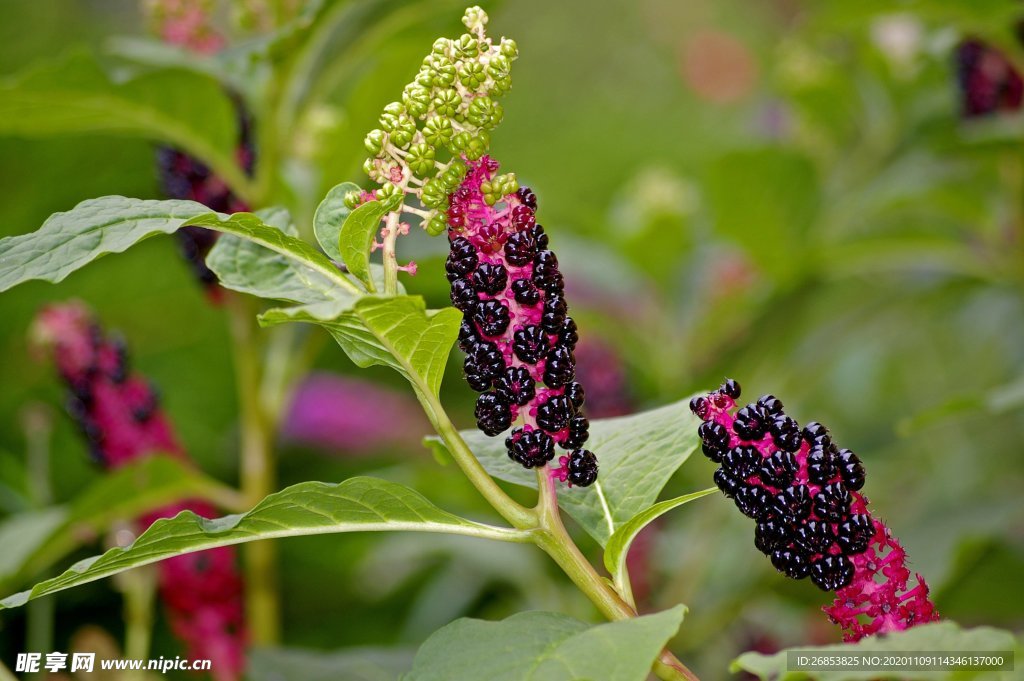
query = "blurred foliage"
{"x": 782, "y": 192}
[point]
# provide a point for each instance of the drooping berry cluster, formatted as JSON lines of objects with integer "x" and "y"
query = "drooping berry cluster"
{"x": 517, "y": 335}
{"x": 118, "y": 412}
{"x": 447, "y": 112}
{"x": 183, "y": 177}
{"x": 812, "y": 521}
{"x": 988, "y": 82}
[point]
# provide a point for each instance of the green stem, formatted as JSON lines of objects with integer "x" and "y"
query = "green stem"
{"x": 390, "y": 257}
{"x": 556, "y": 542}
{"x": 257, "y": 474}
{"x": 519, "y": 516}
{"x": 38, "y": 425}
{"x": 139, "y": 596}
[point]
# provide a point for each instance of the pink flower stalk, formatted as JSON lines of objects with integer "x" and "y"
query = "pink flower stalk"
{"x": 812, "y": 520}
{"x": 351, "y": 416}
{"x": 118, "y": 412}
{"x": 516, "y": 334}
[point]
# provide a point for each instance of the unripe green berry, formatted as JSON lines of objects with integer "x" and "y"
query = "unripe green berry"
{"x": 436, "y": 225}
{"x": 466, "y": 47}
{"x": 375, "y": 141}
{"x": 434, "y": 194}
{"x": 425, "y": 77}
{"x": 500, "y": 86}
{"x": 370, "y": 168}
{"x": 509, "y": 48}
{"x": 472, "y": 75}
{"x": 443, "y": 72}
{"x": 395, "y": 109}
{"x": 438, "y": 131}
{"x": 478, "y": 145}
{"x": 499, "y": 66}
{"x": 447, "y": 102}
{"x": 420, "y": 159}
{"x": 416, "y": 99}
{"x": 405, "y": 130}
{"x": 441, "y": 47}
{"x": 386, "y": 191}
{"x": 484, "y": 113}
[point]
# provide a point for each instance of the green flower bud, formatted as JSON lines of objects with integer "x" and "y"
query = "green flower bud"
{"x": 370, "y": 168}
{"x": 509, "y": 48}
{"x": 352, "y": 200}
{"x": 438, "y": 131}
{"x": 416, "y": 99}
{"x": 420, "y": 159}
{"x": 471, "y": 75}
{"x": 466, "y": 47}
{"x": 436, "y": 225}
{"x": 499, "y": 66}
{"x": 375, "y": 141}
{"x": 484, "y": 113}
{"x": 434, "y": 194}
{"x": 451, "y": 178}
{"x": 477, "y": 146}
{"x": 475, "y": 18}
{"x": 447, "y": 102}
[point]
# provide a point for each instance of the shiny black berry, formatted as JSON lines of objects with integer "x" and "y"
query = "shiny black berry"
{"x": 751, "y": 422}
{"x": 554, "y": 414}
{"x": 530, "y": 448}
{"x": 523, "y": 217}
{"x": 815, "y": 536}
{"x": 520, "y": 249}
{"x": 731, "y": 388}
{"x": 771, "y": 404}
{"x": 545, "y": 264}
{"x": 569, "y": 335}
{"x": 793, "y": 504}
{"x": 462, "y": 258}
{"x": 821, "y": 466}
{"x": 579, "y": 431}
{"x": 785, "y": 433}
{"x": 699, "y": 406}
{"x": 726, "y": 482}
{"x": 530, "y": 344}
{"x": 492, "y": 317}
{"x": 832, "y": 573}
{"x": 832, "y": 503}
{"x": 555, "y": 309}
{"x": 855, "y": 534}
{"x": 770, "y": 535}
{"x": 492, "y": 413}
{"x": 560, "y": 367}
{"x": 582, "y": 468}
{"x": 742, "y": 461}
{"x": 851, "y": 470}
{"x": 752, "y": 501}
{"x": 574, "y": 391}
{"x": 516, "y": 385}
{"x": 490, "y": 278}
{"x": 525, "y": 292}
{"x": 527, "y": 196}
{"x": 539, "y": 236}
{"x": 791, "y": 562}
{"x": 778, "y": 470}
{"x": 463, "y": 295}
{"x": 814, "y": 430}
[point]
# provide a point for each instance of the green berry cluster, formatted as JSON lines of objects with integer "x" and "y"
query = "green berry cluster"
{"x": 445, "y": 116}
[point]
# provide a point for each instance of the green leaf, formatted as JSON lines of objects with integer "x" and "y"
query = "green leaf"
{"x": 545, "y": 646}
{"x": 617, "y": 549}
{"x": 35, "y": 540}
{"x": 637, "y": 455}
{"x": 357, "y": 235}
{"x": 329, "y": 217}
{"x": 68, "y": 241}
{"x": 355, "y": 505}
{"x": 945, "y": 637}
{"x": 73, "y": 95}
{"x": 353, "y": 664}
{"x": 398, "y": 332}
{"x": 246, "y": 266}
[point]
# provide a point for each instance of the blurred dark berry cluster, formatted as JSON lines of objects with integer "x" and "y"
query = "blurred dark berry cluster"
{"x": 517, "y": 335}
{"x": 118, "y": 413}
{"x": 988, "y": 82}
{"x": 184, "y": 177}
{"x": 803, "y": 491}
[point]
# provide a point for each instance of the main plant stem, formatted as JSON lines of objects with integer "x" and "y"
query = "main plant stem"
{"x": 390, "y": 256}
{"x": 257, "y": 474}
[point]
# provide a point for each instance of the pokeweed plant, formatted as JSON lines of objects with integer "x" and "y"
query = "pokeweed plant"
{"x": 430, "y": 161}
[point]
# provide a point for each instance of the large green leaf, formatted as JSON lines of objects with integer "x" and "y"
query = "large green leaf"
{"x": 74, "y": 95}
{"x": 618, "y": 544}
{"x": 637, "y": 455}
{"x": 34, "y": 540}
{"x": 357, "y": 235}
{"x": 70, "y": 240}
{"x": 244, "y": 265}
{"x": 354, "y": 664}
{"x": 545, "y": 646}
{"x": 937, "y": 637}
{"x": 330, "y": 215}
{"x": 397, "y": 331}
{"x": 355, "y": 505}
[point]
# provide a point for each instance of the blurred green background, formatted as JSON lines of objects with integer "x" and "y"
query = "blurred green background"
{"x": 786, "y": 192}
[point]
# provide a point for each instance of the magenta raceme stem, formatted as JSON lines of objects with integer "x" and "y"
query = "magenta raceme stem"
{"x": 517, "y": 335}
{"x": 812, "y": 521}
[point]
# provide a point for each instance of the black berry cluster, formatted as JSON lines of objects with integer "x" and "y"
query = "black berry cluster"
{"x": 517, "y": 335}
{"x": 800, "y": 488}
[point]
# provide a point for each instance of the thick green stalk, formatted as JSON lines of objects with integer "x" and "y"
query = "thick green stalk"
{"x": 390, "y": 256}
{"x": 139, "y": 590}
{"x": 257, "y": 473}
